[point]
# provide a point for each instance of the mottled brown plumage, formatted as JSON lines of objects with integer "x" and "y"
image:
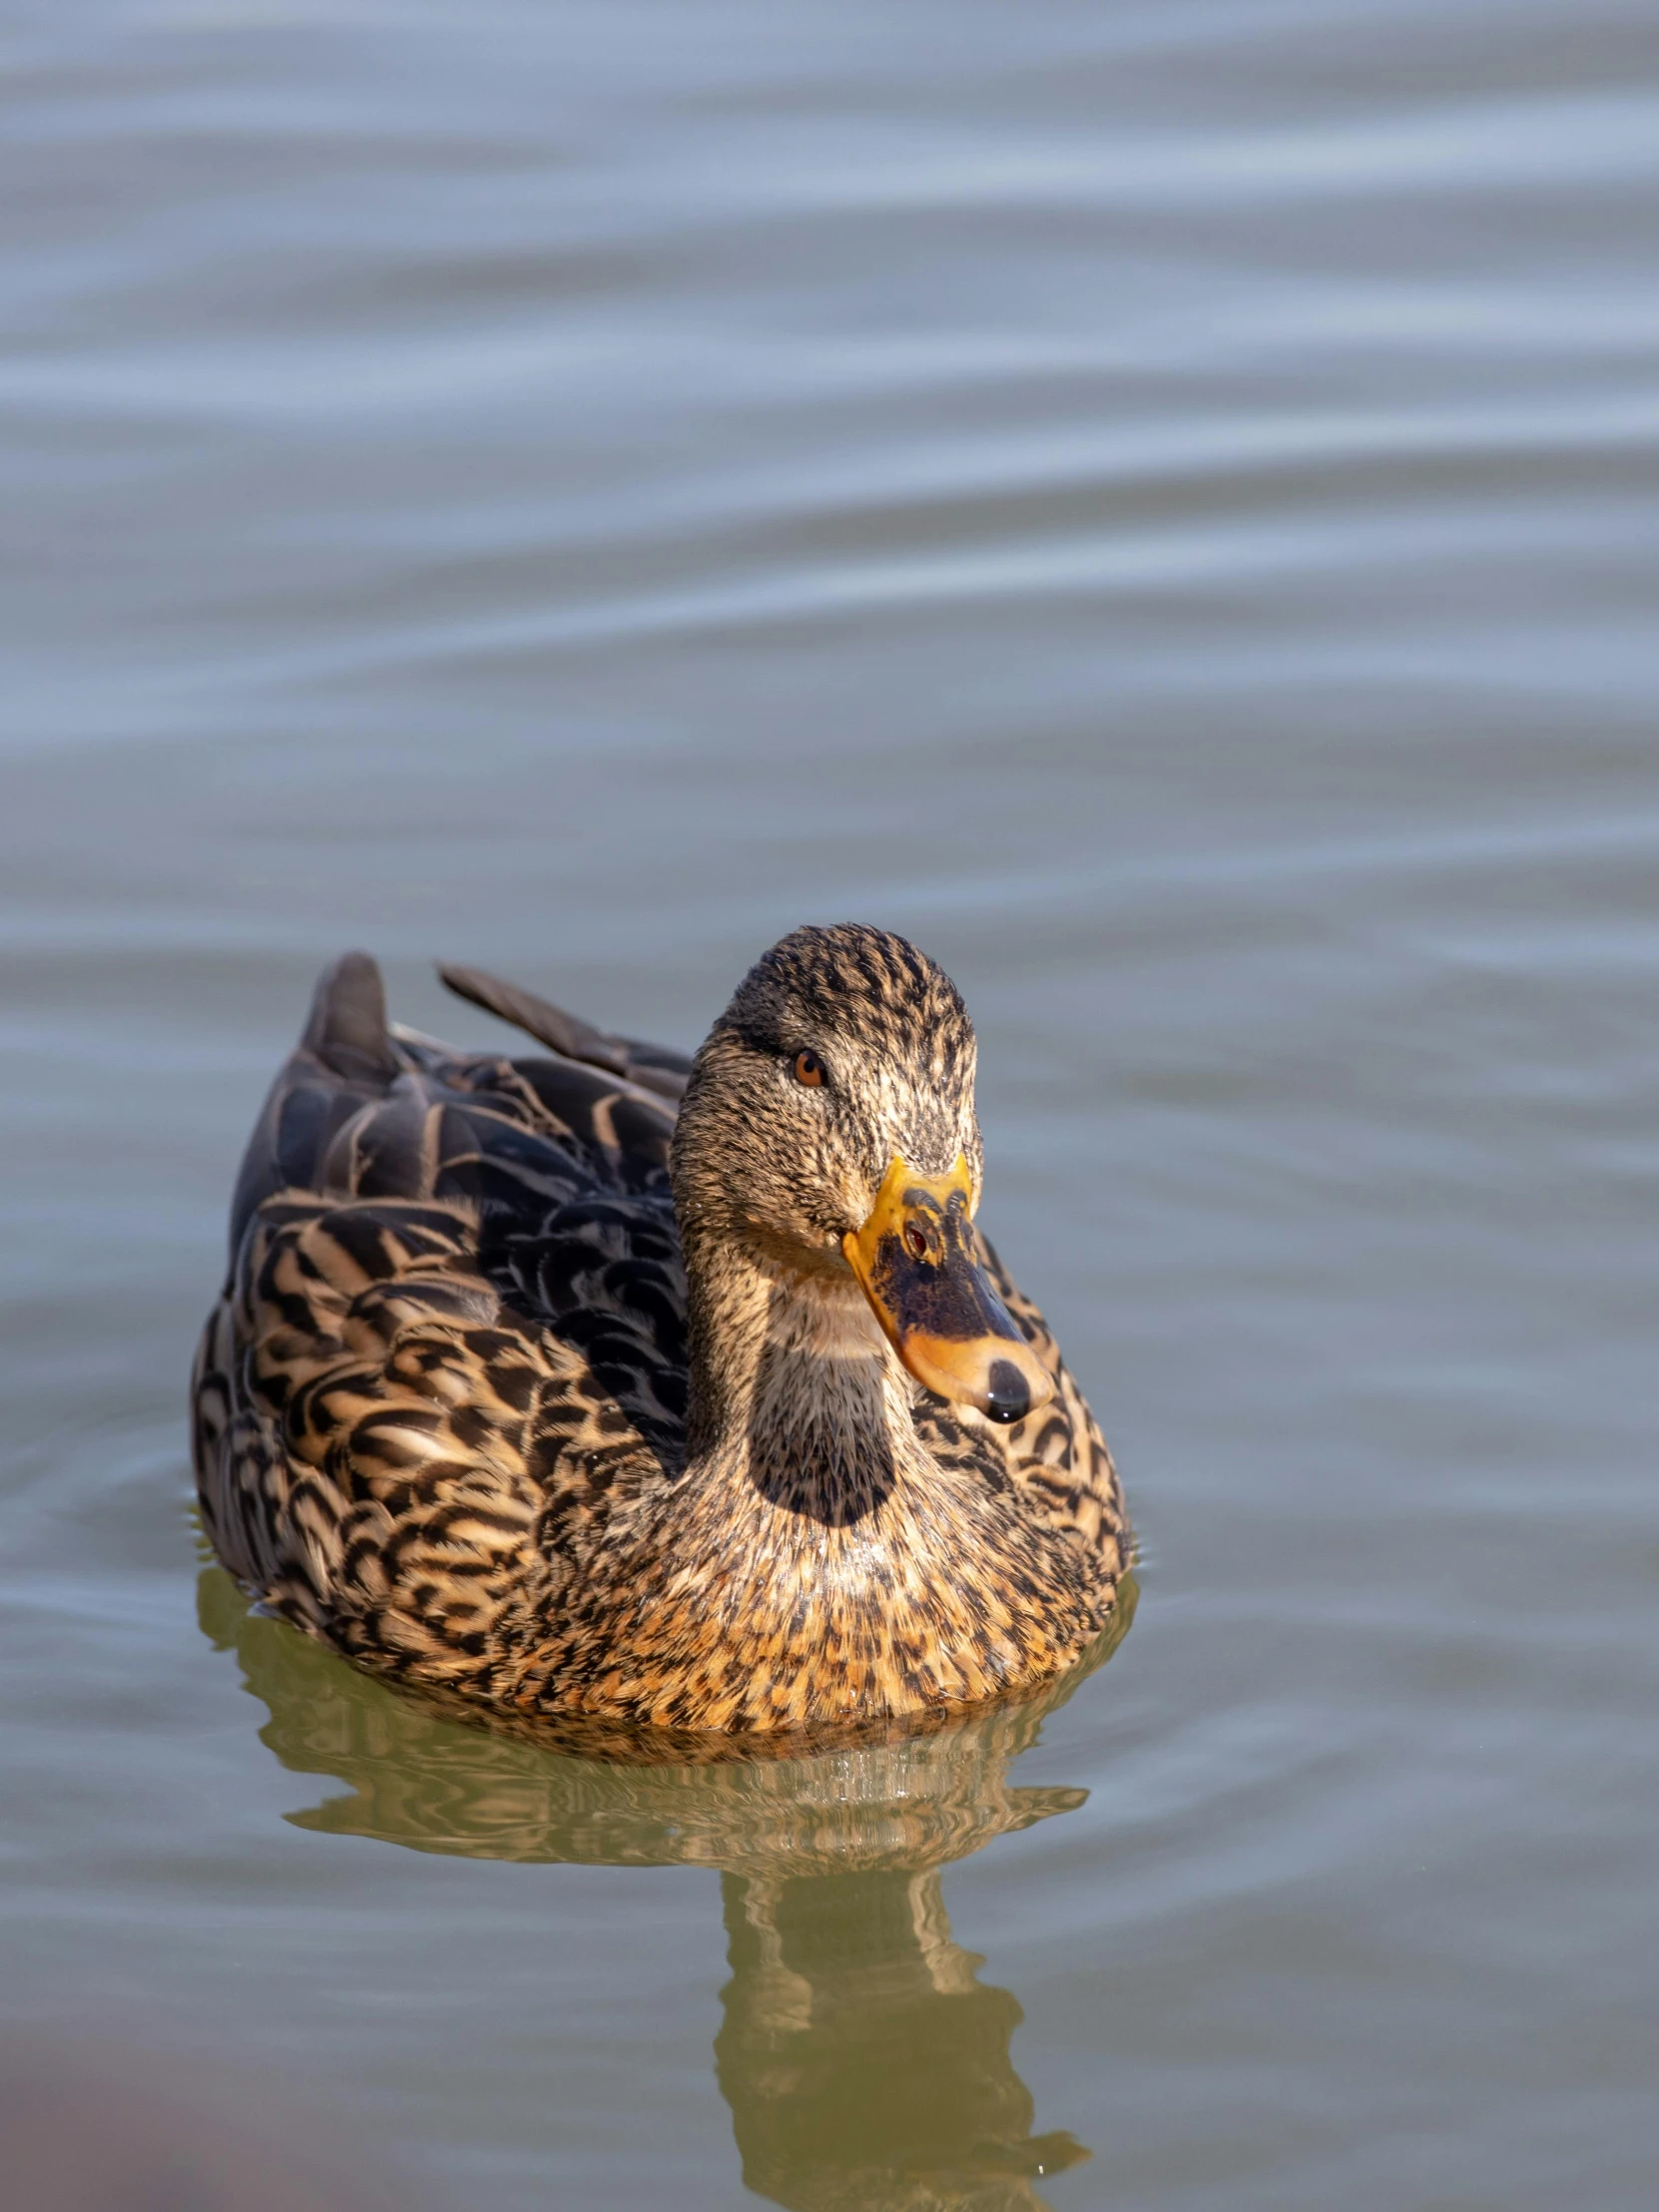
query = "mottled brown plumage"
{"x": 529, "y": 1390}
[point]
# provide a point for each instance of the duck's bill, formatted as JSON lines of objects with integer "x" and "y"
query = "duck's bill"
{"x": 915, "y": 1259}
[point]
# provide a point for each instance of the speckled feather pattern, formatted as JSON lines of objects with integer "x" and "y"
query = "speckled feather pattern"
{"x": 539, "y": 1387}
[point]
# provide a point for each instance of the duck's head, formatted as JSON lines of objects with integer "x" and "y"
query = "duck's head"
{"x": 828, "y": 1132}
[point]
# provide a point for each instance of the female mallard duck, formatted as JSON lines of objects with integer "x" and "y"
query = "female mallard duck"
{"x": 527, "y": 1388}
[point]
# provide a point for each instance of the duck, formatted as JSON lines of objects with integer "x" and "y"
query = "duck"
{"x": 603, "y": 1387}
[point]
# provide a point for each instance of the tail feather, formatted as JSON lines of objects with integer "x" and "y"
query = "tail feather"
{"x": 346, "y": 1028}
{"x": 537, "y": 1017}
{"x": 654, "y": 1067}
{"x": 344, "y": 1058}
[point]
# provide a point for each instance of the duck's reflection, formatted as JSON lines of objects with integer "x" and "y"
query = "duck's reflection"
{"x": 864, "y": 2062}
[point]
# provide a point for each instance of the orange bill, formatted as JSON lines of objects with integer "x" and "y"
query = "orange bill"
{"x": 914, "y": 1260}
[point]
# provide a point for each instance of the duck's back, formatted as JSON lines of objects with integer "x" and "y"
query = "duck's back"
{"x": 453, "y": 1334}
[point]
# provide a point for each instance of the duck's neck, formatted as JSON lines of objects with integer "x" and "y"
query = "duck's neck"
{"x": 793, "y": 1389}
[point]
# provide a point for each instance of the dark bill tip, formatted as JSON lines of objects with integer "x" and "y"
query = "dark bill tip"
{"x": 1007, "y": 1394}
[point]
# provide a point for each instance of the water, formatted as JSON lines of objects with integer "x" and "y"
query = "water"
{"x": 1159, "y": 504}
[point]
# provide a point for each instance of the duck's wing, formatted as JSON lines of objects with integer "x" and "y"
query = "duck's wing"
{"x": 1055, "y": 1458}
{"x": 451, "y": 1340}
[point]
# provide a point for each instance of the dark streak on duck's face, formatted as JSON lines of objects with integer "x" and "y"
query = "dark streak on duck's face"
{"x": 916, "y": 1263}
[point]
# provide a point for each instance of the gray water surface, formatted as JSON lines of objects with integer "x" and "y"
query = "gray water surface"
{"x": 1158, "y": 502}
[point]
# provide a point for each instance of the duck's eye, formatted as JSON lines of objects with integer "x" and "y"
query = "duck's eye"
{"x": 808, "y": 1069}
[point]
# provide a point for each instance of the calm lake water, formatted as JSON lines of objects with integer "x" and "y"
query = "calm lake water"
{"x": 1161, "y": 504}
